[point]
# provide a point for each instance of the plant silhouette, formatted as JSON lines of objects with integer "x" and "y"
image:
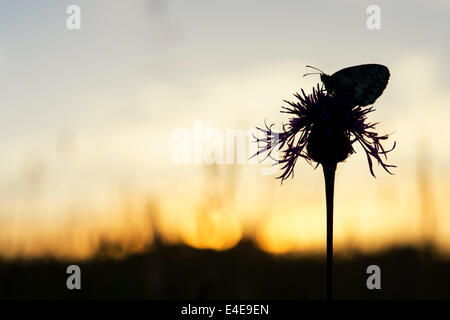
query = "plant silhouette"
{"x": 323, "y": 127}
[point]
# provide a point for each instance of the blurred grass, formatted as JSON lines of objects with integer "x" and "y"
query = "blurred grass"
{"x": 243, "y": 272}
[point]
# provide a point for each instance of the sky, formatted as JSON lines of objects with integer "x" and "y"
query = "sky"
{"x": 89, "y": 121}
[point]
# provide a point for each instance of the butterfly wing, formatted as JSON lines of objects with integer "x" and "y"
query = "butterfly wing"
{"x": 364, "y": 83}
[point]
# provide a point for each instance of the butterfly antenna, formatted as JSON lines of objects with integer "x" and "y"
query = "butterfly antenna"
{"x": 314, "y": 68}
{"x": 307, "y": 74}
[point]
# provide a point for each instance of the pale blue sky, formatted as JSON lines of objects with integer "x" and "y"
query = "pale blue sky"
{"x": 122, "y": 43}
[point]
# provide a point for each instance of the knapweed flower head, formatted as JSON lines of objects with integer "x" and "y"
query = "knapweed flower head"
{"x": 323, "y": 129}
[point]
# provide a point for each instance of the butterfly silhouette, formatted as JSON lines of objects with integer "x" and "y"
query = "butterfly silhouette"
{"x": 362, "y": 84}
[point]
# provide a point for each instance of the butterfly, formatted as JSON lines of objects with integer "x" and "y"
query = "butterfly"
{"x": 363, "y": 84}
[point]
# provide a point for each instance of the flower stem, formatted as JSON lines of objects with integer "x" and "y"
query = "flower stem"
{"x": 329, "y": 170}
